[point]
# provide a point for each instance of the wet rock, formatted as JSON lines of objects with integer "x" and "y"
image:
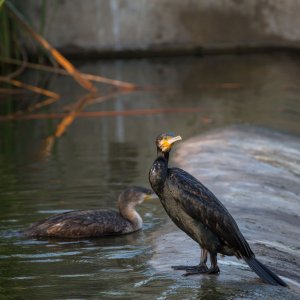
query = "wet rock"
{"x": 256, "y": 174}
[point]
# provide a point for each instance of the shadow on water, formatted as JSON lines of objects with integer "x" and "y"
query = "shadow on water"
{"x": 99, "y": 157}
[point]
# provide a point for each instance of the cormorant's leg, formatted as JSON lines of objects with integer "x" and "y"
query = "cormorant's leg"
{"x": 201, "y": 268}
{"x": 214, "y": 269}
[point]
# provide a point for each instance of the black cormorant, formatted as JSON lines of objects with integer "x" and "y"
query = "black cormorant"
{"x": 198, "y": 212}
{"x": 97, "y": 222}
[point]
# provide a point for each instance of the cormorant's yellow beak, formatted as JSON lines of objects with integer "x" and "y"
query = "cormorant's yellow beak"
{"x": 168, "y": 141}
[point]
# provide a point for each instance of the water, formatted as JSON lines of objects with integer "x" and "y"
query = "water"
{"x": 99, "y": 157}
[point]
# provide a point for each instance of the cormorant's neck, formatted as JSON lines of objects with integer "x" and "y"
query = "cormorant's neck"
{"x": 158, "y": 171}
{"x": 164, "y": 155}
{"x": 128, "y": 212}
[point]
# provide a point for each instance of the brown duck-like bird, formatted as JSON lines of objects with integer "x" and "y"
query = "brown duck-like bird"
{"x": 97, "y": 222}
{"x": 198, "y": 212}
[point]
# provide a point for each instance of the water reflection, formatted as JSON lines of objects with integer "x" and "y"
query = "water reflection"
{"x": 122, "y": 157}
{"x": 99, "y": 157}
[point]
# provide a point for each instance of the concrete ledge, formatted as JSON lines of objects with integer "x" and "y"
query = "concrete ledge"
{"x": 79, "y": 53}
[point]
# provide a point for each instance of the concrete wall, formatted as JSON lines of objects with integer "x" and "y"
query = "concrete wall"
{"x": 118, "y": 25}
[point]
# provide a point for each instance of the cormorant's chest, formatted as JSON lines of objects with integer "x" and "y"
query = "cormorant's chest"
{"x": 157, "y": 176}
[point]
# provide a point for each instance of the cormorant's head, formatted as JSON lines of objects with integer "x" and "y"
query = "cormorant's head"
{"x": 135, "y": 195}
{"x": 165, "y": 141}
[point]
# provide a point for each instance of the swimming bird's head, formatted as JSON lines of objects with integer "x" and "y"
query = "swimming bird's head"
{"x": 165, "y": 141}
{"x": 134, "y": 195}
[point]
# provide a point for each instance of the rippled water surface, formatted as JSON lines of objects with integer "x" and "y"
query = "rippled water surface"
{"x": 100, "y": 156}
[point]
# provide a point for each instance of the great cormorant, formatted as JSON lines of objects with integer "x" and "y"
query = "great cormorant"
{"x": 97, "y": 222}
{"x": 198, "y": 212}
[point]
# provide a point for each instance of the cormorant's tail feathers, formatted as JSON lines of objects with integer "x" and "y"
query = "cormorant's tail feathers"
{"x": 264, "y": 272}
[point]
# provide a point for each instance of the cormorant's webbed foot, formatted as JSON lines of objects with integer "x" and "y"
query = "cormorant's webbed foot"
{"x": 212, "y": 270}
{"x": 202, "y": 268}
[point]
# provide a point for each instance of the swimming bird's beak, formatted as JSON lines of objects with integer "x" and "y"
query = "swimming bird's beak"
{"x": 168, "y": 141}
{"x": 150, "y": 197}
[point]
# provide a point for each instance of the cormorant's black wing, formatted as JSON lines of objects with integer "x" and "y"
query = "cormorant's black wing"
{"x": 202, "y": 205}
